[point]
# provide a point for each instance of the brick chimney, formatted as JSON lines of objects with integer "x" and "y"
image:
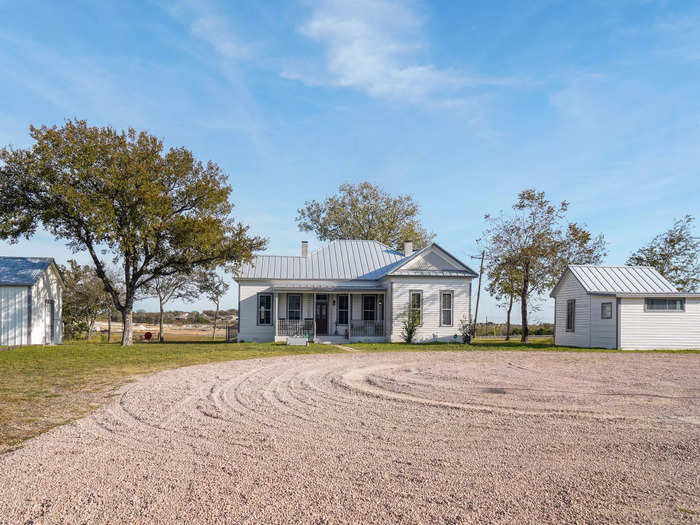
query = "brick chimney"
{"x": 408, "y": 248}
{"x": 304, "y": 248}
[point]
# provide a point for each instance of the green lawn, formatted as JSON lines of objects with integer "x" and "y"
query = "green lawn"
{"x": 41, "y": 387}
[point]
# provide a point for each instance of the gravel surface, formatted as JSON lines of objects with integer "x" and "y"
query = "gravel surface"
{"x": 444, "y": 437}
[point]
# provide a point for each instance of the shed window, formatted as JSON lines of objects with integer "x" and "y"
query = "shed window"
{"x": 265, "y": 308}
{"x": 294, "y": 307}
{"x": 415, "y": 305}
{"x": 606, "y": 311}
{"x": 446, "y": 300}
{"x": 571, "y": 315}
{"x": 343, "y": 309}
{"x": 656, "y": 304}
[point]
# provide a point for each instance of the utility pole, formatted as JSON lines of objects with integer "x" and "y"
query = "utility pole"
{"x": 478, "y": 291}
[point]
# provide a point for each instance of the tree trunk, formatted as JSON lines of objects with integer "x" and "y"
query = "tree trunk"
{"x": 160, "y": 322}
{"x": 128, "y": 321}
{"x": 523, "y": 303}
{"x": 510, "y": 308}
{"x": 109, "y": 324}
{"x": 216, "y": 315}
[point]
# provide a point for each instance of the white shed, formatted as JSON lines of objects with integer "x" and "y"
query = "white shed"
{"x": 31, "y": 291}
{"x": 624, "y": 307}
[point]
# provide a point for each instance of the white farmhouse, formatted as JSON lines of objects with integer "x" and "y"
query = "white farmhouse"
{"x": 31, "y": 291}
{"x": 623, "y": 307}
{"x": 353, "y": 290}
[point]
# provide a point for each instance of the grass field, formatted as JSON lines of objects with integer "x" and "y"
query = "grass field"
{"x": 41, "y": 387}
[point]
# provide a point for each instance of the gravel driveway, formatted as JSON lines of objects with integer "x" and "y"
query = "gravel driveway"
{"x": 444, "y": 437}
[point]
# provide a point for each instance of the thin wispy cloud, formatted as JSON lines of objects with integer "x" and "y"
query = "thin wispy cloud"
{"x": 206, "y": 23}
{"x": 375, "y": 46}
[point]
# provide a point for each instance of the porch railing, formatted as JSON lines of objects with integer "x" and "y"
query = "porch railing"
{"x": 295, "y": 327}
{"x": 366, "y": 328}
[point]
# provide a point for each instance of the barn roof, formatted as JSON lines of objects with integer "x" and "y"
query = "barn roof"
{"x": 613, "y": 280}
{"x": 22, "y": 271}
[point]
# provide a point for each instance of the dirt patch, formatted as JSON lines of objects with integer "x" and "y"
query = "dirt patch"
{"x": 408, "y": 437}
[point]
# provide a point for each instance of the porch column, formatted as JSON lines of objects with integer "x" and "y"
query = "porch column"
{"x": 276, "y": 312}
{"x": 313, "y": 313}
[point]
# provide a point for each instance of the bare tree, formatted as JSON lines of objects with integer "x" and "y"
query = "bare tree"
{"x": 173, "y": 287}
{"x": 214, "y": 287}
{"x": 538, "y": 243}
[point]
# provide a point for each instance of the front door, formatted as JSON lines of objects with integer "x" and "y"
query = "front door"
{"x": 49, "y": 322}
{"x": 321, "y": 315}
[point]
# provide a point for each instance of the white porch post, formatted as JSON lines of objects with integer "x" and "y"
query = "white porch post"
{"x": 313, "y": 313}
{"x": 276, "y": 312}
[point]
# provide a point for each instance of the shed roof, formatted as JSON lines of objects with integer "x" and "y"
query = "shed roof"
{"x": 615, "y": 280}
{"x": 22, "y": 271}
{"x": 346, "y": 260}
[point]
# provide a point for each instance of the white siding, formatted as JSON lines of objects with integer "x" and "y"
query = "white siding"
{"x": 570, "y": 288}
{"x": 431, "y": 288}
{"x": 603, "y": 331}
{"x": 14, "y": 315}
{"x": 641, "y": 330}
{"x": 249, "y": 329}
{"x": 47, "y": 288}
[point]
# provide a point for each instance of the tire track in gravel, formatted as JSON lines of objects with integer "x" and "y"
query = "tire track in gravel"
{"x": 445, "y": 436}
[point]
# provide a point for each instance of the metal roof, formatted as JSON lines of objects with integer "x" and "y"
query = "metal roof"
{"x": 620, "y": 279}
{"x": 22, "y": 271}
{"x": 327, "y": 286}
{"x": 346, "y": 260}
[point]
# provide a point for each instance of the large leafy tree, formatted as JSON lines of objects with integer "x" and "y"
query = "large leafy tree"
{"x": 365, "y": 211}
{"x": 537, "y": 244}
{"x": 126, "y": 201}
{"x": 675, "y": 254}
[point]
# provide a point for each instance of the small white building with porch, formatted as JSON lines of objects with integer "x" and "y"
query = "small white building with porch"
{"x": 353, "y": 290}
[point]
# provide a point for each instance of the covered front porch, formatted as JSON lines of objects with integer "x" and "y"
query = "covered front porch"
{"x": 330, "y": 315}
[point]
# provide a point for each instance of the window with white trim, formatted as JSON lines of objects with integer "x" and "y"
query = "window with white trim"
{"x": 571, "y": 315}
{"x": 369, "y": 307}
{"x": 415, "y": 305}
{"x": 343, "y": 309}
{"x": 264, "y": 308}
{"x": 664, "y": 304}
{"x": 294, "y": 307}
{"x": 446, "y": 305}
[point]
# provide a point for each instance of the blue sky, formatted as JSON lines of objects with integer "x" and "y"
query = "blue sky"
{"x": 461, "y": 104}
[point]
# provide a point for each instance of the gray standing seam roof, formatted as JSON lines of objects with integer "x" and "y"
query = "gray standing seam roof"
{"x": 621, "y": 279}
{"x": 22, "y": 271}
{"x": 346, "y": 260}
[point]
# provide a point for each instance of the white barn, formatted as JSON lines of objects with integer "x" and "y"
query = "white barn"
{"x": 31, "y": 291}
{"x": 623, "y": 307}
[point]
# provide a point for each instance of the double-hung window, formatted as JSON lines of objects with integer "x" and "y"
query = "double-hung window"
{"x": 571, "y": 315}
{"x": 446, "y": 305}
{"x": 606, "y": 310}
{"x": 415, "y": 305}
{"x": 369, "y": 307}
{"x": 343, "y": 309}
{"x": 265, "y": 308}
{"x": 294, "y": 307}
{"x": 664, "y": 304}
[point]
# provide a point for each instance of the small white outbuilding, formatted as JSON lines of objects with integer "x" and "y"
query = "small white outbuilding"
{"x": 623, "y": 307}
{"x": 31, "y": 291}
